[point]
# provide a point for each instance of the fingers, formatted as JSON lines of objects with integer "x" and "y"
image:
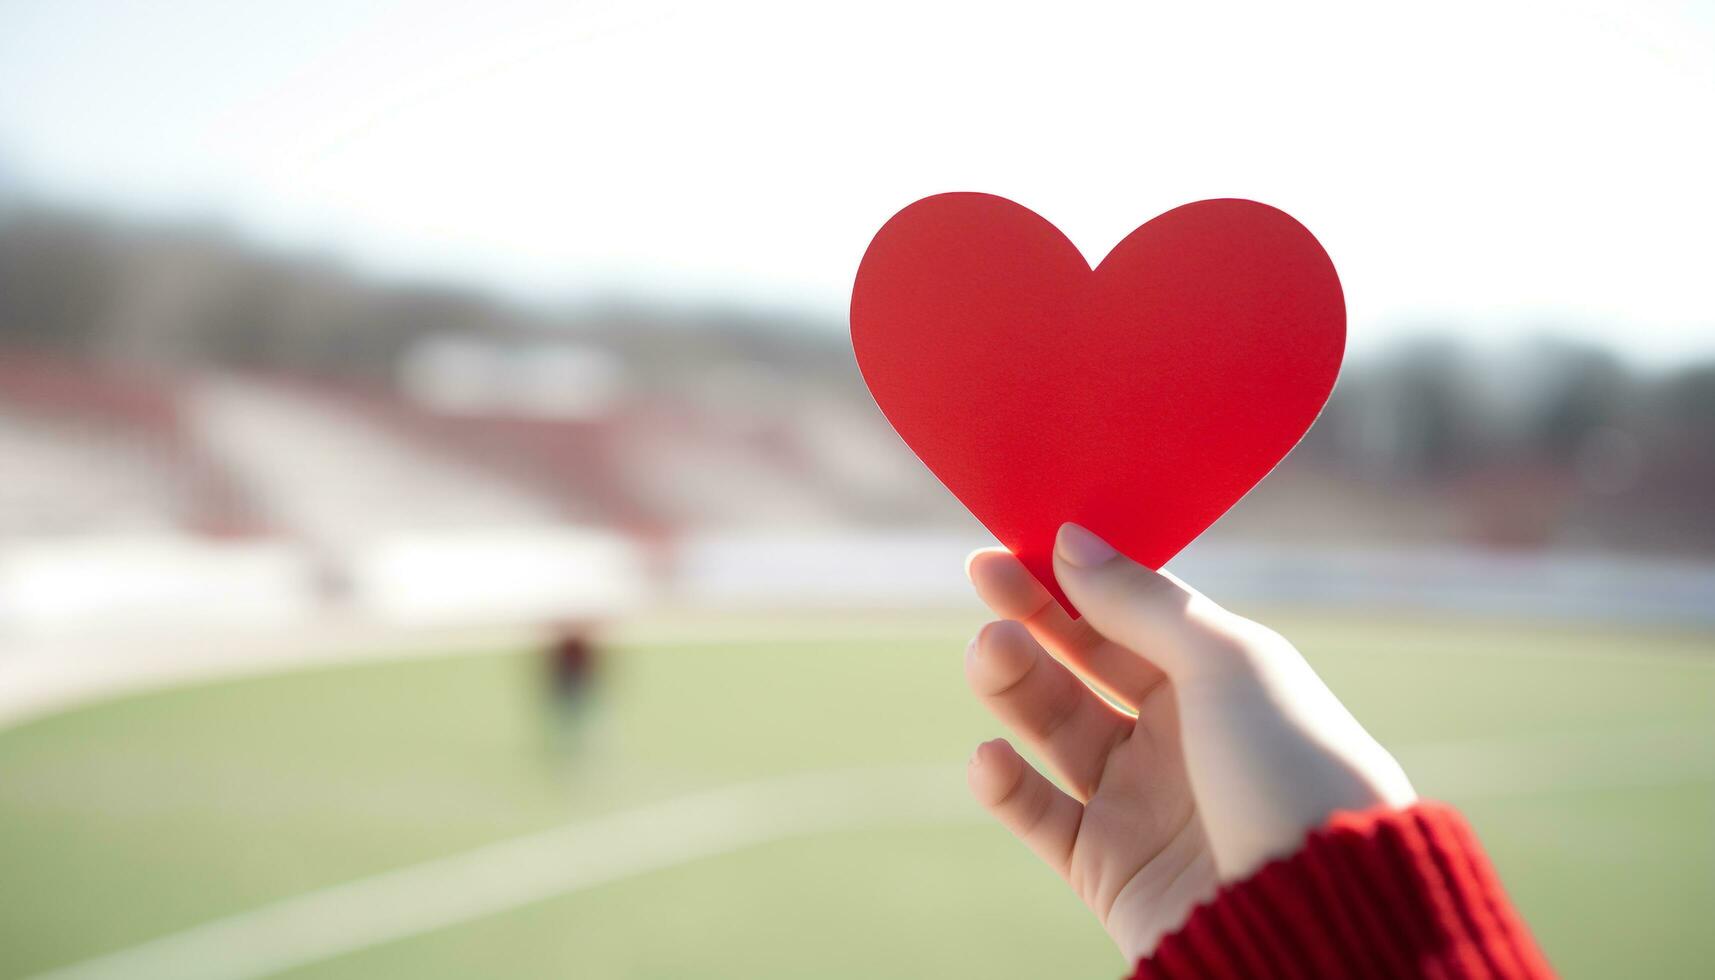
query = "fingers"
{"x": 1025, "y": 802}
{"x": 1134, "y": 606}
{"x": 1008, "y": 588}
{"x": 1042, "y": 701}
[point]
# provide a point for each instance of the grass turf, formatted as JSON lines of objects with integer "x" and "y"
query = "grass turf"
{"x": 1585, "y": 757}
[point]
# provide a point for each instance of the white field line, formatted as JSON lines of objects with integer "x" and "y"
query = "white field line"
{"x": 41, "y": 679}
{"x": 422, "y": 898}
{"x": 45, "y": 678}
{"x": 329, "y": 922}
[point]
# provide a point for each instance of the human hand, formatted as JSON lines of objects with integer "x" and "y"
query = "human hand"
{"x": 1236, "y": 752}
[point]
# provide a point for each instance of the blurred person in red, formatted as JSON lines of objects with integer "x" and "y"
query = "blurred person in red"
{"x": 571, "y": 672}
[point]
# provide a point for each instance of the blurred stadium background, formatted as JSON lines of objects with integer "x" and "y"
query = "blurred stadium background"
{"x": 321, "y": 440}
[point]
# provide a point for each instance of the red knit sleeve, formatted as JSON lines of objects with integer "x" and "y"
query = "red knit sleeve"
{"x": 1383, "y": 893}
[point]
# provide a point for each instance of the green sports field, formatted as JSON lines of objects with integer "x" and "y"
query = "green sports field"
{"x": 1585, "y": 756}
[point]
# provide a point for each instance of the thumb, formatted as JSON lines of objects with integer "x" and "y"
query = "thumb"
{"x": 1150, "y": 612}
{"x": 1269, "y": 751}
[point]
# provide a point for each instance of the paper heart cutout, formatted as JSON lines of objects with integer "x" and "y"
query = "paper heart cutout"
{"x": 1140, "y": 399}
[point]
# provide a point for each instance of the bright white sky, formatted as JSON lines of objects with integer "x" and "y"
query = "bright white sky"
{"x": 1498, "y": 166}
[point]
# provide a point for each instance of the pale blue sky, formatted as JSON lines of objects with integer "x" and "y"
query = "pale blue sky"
{"x": 1501, "y": 166}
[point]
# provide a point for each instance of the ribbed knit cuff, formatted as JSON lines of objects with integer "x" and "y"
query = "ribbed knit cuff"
{"x": 1382, "y": 893}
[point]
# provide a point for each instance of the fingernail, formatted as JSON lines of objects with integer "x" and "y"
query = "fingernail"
{"x": 971, "y": 650}
{"x": 977, "y": 756}
{"x": 1081, "y": 548}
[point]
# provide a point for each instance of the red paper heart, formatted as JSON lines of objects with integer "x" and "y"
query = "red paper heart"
{"x": 1141, "y": 399}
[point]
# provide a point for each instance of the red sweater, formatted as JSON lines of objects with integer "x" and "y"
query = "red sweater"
{"x": 1384, "y": 893}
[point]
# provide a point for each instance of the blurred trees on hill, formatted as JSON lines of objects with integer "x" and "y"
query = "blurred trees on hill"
{"x": 190, "y": 296}
{"x": 1529, "y": 441}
